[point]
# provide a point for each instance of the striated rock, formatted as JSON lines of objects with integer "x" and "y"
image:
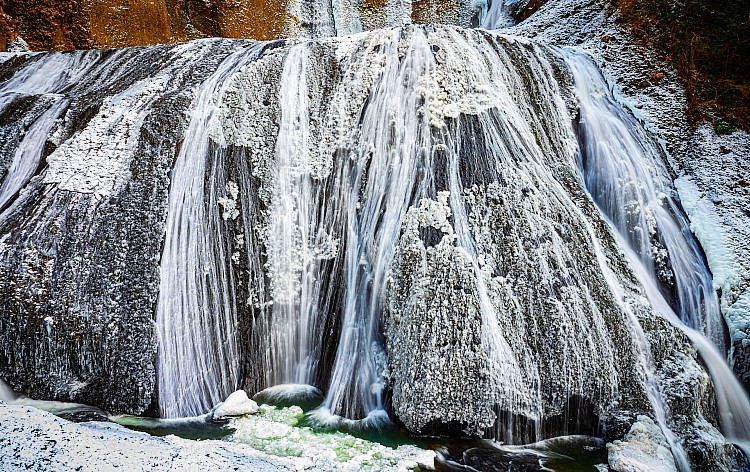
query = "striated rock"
{"x": 78, "y": 282}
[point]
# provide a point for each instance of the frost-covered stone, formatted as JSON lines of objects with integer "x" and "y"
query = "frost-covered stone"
{"x": 78, "y": 298}
{"x": 644, "y": 448}
{"x": 422, "y": 180}
{"x": 236, "y": 404}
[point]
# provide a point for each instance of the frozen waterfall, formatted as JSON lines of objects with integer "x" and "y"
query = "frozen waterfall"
{"x": 454, "y": 230}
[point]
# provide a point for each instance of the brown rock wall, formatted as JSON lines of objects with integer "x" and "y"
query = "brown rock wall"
{"x": 52, "y": 24}
{"x": 114, "y": 23}
{"x": 257, "y": 19}
{"x": 427, "y": 11}
{"x": 7, "y": 28}
{"x": 82, "y": 24}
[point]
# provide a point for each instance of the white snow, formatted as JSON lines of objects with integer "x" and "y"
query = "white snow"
{"x": 31, "y": 439}
{"x": 236, "y": 404}
{"x": 268, "y": 441}
{"x": 644, "y": 448}
{"x": 714, "y": 193}
{"x": 97, "y": 159}
{"x": 229, "y": 203}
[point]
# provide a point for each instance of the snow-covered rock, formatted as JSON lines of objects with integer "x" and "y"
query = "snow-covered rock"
{"x": 236, "y": 404}
{"x": 644, "y": 448}
{"x": 714, "y": 191}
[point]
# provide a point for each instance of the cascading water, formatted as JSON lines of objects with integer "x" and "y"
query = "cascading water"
{"x": 29, "y": 152}
{"x": 398, "y": 219}
{"x": 625, "y": 174}
{"x": 390, "y": 156}
{"x": 407, "y": 149}
{"x": 496, "y": 15}
{"x": 50, "y": 80}
{"x": 196, "y": 312}
{"x": 624, "y": 170}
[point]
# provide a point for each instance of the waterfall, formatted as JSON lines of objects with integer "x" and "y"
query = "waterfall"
{"x": 50, "y": 80}
{"x": 297, "y": 246}
{"x": 496, "y": 15}
{"x": 197, "y": 311}
{"x": 390, "y": 155}
{"x": 625, "y": 173}
{"x": 29, "y": 152}
{"x": 397, "y": 218}
{"x": 624, "y": 170}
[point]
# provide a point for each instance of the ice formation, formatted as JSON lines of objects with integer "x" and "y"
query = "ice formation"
{"x": 433, "y": 221}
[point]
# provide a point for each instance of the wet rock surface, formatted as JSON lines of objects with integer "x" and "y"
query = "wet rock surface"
{"x": 79, "y": 270}
{"x": 80, "y": 245}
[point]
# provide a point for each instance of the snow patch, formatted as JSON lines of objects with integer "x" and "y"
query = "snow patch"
{"x": 236, "y": 404}
{"x": 229, "y": 203}
{"x": 33, "y": 439}
{"x": 97, "y": 159}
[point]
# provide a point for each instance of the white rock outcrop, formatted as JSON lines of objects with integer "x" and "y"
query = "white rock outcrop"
{"x": 236, "y": 404}
{"x": 644, "y": 448}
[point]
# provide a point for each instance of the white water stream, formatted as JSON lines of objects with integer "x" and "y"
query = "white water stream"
{"x": 625, "y": 174}
{"x": 196, "y": 311}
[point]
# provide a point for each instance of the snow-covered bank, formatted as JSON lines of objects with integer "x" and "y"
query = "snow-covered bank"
{"x": 715, "y": 192}
{"x": 32, "y": 439}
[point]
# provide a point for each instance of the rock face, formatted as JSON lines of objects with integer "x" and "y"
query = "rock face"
{"x": 79, "y": 280}
{"x": 8, "y": 27}
{"x": 392, "y": 217}
{"x": 712, "y": 168}
{"x": 83, "y": 24}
